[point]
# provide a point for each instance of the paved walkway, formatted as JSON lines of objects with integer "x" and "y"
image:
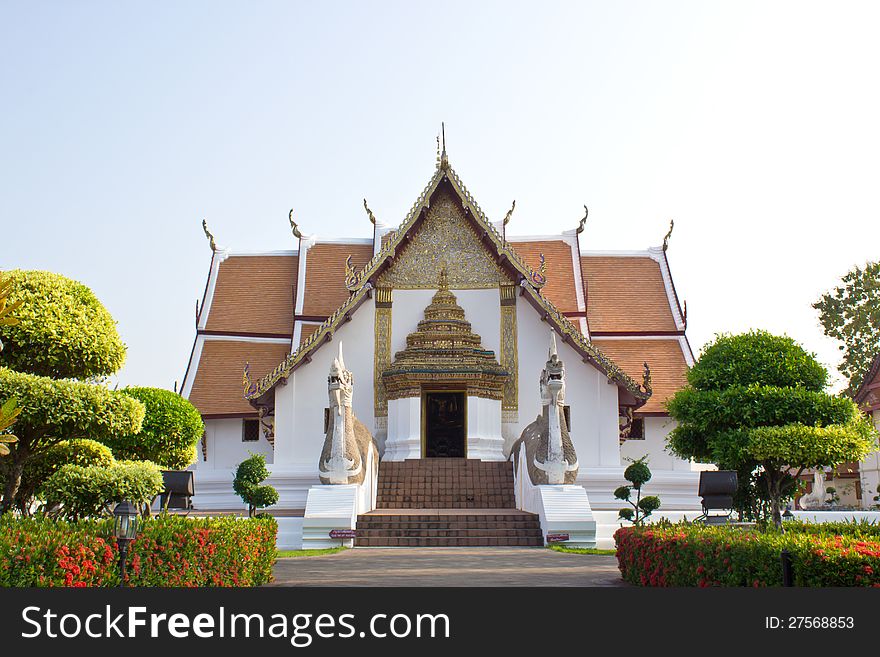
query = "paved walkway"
{"x": 486, "y": 566}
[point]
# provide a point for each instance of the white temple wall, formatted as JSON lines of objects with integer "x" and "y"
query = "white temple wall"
{"x": 593, "y": 401}
{"x": 299, "y": 406}
{"x": 654, "y": 445}
{"x": 226, "y": 448}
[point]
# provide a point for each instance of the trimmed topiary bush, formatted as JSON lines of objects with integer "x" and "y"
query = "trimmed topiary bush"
{"x": 172, "y": 427}
{"x": 78, "y": 451}
{"x": 637, "y": 474}
{"x": 62, "y": 331}
{"x": 246, "y": 484}
{"x": 76, "y": 492}
{"x": 168, "y": 551}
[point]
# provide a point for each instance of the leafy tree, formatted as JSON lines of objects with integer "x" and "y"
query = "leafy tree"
{"x": 8, "y": 414}
{"x": 246, "y": 484}
{"x": 77, "y": 451}
{"x": 172, "y": 428}
{"x": 76, "y": 491}
{"x": 637, "y": 474}
{"x": 850, "y": 313}
{"x": 754, "y": 403}
{"x": 62, "y": 330}
{"x": 60, "y": 340}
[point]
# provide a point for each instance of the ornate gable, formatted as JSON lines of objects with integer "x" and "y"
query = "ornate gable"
{"x": 444, "y": 240}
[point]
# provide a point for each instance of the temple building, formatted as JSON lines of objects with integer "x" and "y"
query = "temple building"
{"x": 471, "y": 374}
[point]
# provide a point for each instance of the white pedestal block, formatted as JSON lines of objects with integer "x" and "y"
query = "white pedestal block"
{"x": 329, "y": 507}
{"x": 565, "y": 509}
{"x": 484, "y": 439}
{"x": 404, "y": 439}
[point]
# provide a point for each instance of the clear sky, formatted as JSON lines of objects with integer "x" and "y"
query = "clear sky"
{"x": 753, "y": 124}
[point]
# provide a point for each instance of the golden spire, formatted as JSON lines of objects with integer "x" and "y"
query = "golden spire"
{"x": 444, "y": 161}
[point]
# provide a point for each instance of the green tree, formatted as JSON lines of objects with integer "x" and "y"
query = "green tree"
{"x": 850, "y": 313}
{"x": 8, "y": 414}
{"x": 755, "y": 403}
{"x": 637, "y": 474}
{"x": 249, "y": 474}
{"x": 62, "y": 330}
{"x": 172, "y": 428}
{"x": 61, "y": 340}
{"x": 52, "y": 411}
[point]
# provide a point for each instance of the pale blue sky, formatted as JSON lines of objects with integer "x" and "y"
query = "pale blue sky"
{"x": 753, "y": 124}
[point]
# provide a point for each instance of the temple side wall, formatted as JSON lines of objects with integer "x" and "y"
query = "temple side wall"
{"x": 226, "y": 448}
{"x": 299, "y": 405}
{"x": 869, "y": 472}
{"x": 654, "y": 446}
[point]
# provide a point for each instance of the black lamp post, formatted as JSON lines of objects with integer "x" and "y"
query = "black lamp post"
{"x": 125, "y": 517}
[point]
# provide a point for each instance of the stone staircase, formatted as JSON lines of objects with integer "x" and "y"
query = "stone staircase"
{"x": 447, "y": 502}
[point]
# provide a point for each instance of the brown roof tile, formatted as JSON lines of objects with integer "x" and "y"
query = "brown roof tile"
{"x": 560, "y": 288}
{"x": 625, "y": 293}
{"x": 325, "y": 275}
{"x": 217, "y": 388}
{"x": 254, "y": 294}
{"x": 664, "y": 357}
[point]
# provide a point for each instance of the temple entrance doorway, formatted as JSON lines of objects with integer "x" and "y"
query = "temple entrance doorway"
{"x": 445, "y": 424}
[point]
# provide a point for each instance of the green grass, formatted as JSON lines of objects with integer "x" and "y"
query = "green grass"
{"x": 287, "y": 554}
{"x": 576, "y": 550}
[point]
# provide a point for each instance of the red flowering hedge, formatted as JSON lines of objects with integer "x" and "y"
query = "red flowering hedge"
{"x": 169, "y": 551}
{"x": 696, "y": 555}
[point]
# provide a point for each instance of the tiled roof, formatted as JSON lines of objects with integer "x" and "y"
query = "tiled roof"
{"x": 217, "y": 388}
{"x": 325, "y": 275}
{"x": 664, "y": 357}
{"x": 626, "y": 294}
{"x": 254, "y": 294}
{"x": 560, "y": 287}
{"x": 868, "y": 394}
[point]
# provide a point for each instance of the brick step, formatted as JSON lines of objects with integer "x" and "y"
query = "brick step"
{"x": 439, "y": 541}
{"x": 456, "y": 526}
{"x": 448, "y": 517}
{"x": 448, "y": 532}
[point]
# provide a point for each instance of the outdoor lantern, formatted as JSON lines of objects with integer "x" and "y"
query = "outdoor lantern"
{"x": 788, "y": 515}
{"x": 125, "y": 523}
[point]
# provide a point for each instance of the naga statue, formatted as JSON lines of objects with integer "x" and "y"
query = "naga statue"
{"x": 816, "y": 498}
{"x": 349, "y": 443}
{"x": 550, "y": 455}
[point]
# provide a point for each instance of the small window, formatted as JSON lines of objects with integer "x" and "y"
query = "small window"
{"x": 637, "y": 432}
{"x": 250, "y": 431}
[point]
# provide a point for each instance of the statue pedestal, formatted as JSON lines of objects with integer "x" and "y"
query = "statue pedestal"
{"x": 329, "y": 507}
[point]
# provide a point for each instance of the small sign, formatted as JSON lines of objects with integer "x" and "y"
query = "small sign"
{"x": 343, "y": 533}
{"x": 557, "y": 538}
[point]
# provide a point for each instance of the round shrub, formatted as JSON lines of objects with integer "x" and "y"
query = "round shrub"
{"x": 638, "y": 473}
{"x": 172, "y": 427}
{"x": 63, "y": 331}
{"x": 246, "y": 484}
{"x": 75, "y": 491}
{"x": 77, "y": 451}
{"x": 757, "y": 357}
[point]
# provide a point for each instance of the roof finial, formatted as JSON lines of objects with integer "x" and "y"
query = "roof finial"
{"x": 646, "y": 378}
{"x": 369, "y": 213}
{"x": 209, "y": 235}
{"x": 506, "y": 219}
{"x": 293, "y": 226}
{"x": 668, "y": 235}
{"x": 444, "y": 161}
{"x": 580, "y": 228}
{"x": 351, "y": 275}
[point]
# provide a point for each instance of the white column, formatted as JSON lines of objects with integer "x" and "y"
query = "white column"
{"x": 404, "y": 439}
{"x": 484, "y": 439}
